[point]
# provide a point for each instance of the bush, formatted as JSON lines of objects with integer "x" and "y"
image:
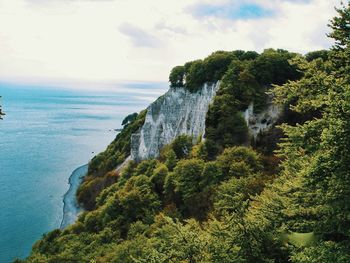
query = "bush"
{"x": 211, "y": 175}
{"x": 91, "y": 187}
{"x": 239, "y": 161}
{"x": 129, "y": 119}
{"x": 158, "y": 178}
{"x": 188, "y": 176}
{"x": 182, "y": 146}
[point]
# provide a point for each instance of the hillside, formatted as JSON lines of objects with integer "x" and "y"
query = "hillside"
{"x": 268, "y": 181}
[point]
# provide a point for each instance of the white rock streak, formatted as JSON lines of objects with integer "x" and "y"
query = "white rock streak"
{"x": 261, "y": 122}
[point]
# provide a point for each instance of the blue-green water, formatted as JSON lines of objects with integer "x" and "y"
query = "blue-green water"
{"x": 46, "y": 134}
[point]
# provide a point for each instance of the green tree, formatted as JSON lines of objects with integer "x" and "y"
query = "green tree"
{"x": 195, "y": 75}
{"x": 135, "y": 201}
{"x": 158, "y": 178}
{"x": 211, "y": 175}
{"x": 313, "y": 193}
{"x": 130, "y": 118}
{"x": 239, "y": 161}
{"x": 176, "y": 77}
{"x": 323, "y": 54}
{"x": 182, "y": 146}
{"x": 188, "y": 177}
{"x": 216, "y": 65}
{"x": 171, "y": 159}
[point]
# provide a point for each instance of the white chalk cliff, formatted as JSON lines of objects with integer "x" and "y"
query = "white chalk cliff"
{"x": 180, "y": 111}
{"x": 177, "y": 112}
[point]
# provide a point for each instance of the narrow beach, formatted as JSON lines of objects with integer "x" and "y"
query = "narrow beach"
{"x": 70, "y": 207}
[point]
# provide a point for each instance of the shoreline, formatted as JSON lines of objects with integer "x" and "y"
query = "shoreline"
{"x": 70, "y": 205}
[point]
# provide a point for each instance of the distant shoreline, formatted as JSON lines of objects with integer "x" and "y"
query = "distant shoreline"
{"x": 71, "y": 208}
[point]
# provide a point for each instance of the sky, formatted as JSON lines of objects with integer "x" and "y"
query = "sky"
{"x": 92, "y": 43}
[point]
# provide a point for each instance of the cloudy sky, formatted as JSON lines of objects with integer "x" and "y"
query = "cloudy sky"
{"x": 111, "y": 41}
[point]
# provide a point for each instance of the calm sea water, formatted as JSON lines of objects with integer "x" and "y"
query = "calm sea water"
{"x": 46, "y": 134}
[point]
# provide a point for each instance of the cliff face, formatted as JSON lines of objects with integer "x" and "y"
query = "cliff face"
{"x": 180, "y": 111}
{"x": 175, "y": 113}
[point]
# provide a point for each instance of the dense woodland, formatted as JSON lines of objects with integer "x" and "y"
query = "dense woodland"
{"x": 285, "y": 198}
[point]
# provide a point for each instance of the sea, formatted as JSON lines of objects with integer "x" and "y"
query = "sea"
{"x": 47, "y": 133}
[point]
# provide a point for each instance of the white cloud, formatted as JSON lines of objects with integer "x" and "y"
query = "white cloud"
{"x": 112, "y": 41}
{"x": 139, "y": 37}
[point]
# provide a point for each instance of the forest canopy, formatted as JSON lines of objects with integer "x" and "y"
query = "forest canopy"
{"x": 237, "y": 203}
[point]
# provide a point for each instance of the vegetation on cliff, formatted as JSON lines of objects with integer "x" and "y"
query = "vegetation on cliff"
{"x": 243, "y": 83}
{"x": 237, "y": 205}
{"x": 101, "y": 168}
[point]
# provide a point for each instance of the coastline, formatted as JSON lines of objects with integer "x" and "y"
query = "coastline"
{"x": 70, "y": 205}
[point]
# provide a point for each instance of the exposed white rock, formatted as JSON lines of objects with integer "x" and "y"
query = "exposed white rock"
{"x": 261, "y": 122}
{"x": 175, "y": 113}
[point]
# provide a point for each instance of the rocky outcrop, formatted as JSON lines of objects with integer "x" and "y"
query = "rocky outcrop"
{"x": 258, "y": 123}
{"x": 177, "y": 112}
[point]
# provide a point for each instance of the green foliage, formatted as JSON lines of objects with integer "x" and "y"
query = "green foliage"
{"x": 98, "y": 177}
{"x": 92, "y": 187}
{"x": 340, "y": 27}
{"x": 178, "y": 242}
{"x": 324, "y": 252}
{"x": 146, "y": 167}
{"x": 245, "y": 55}
{"x": 117, "y": 151}
{"x": 239, "y": 161}
{"x": 272, "y": 67}
{"x": 230, "y": 131}
{"x": 158, "y": 178}
{"x": 243, "y": 83}
{"x": 233, "y": 208}
{"x": 323, "y": 54}
{"x": 340, "y": 53}
{"x": 187, "y": 177}
{"x": 182, "y": 146}
{"x": 233, "y": 193}
{"x": 171, "y": 159}
{"x": 216, "y": 65}
{"x": 176, "y": 77}
{"x": 194, "y": 74}
{"x": 179, "y": 149}
{"x": 126, "y": 225}
{"x": 317, "y": 151}
{"x": 211, "y": 175}
{"x": 199, "y": 151}
{"x": 135, "y": 201}
{"x": 129, "y": 119}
